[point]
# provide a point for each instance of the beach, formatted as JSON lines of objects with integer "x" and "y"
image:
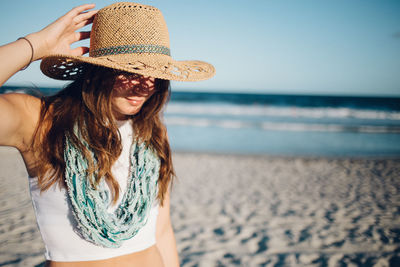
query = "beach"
{"x": 247, "y": 210}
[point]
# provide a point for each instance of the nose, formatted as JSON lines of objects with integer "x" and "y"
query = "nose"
{"x": 144, "y": 85}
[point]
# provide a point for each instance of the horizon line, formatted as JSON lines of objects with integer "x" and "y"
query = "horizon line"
{"x": 236, "y": 91}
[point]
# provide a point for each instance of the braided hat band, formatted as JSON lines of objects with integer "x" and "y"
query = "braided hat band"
{"x": 129, "y": 37}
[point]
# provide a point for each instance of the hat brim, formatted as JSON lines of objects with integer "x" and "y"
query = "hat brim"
{"x": 65, "y": 67}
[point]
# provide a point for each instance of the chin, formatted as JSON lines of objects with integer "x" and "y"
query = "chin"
{"x": 131, "y": 110}
{"x": 130, "y": 113}
{"x": 123, "y": 114}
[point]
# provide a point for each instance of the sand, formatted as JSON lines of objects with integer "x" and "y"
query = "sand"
{"x": 250, "y": 211}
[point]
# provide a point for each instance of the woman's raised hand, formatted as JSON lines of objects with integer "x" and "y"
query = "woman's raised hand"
{"x": 58, "y": 37}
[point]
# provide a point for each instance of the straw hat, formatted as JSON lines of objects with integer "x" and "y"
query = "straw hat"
{"x": 129, "y": 37}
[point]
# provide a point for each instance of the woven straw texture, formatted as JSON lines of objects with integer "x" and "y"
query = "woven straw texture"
{"x": 129, "y": 37}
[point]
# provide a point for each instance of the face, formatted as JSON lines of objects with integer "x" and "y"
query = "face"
{"x": 129, "y": 93}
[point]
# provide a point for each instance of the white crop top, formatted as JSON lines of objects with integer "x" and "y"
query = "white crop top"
{"x": 56, "y": 222}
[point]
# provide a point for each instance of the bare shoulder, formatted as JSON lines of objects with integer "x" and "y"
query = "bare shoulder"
{"x": 19, "y": 114}
{"x": 25, "y": 108}
{"x": 24, "y": 102}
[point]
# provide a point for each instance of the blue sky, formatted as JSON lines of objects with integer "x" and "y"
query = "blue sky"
{"x": 341, "y": 47}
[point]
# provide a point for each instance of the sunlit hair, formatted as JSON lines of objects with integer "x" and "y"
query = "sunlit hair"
{"x": 87, "y": 103}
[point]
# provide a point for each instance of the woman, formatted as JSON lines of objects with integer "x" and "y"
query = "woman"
{"x": 97, "y": 152}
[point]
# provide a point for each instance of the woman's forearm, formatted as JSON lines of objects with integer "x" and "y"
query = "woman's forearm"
{"x": 13, "y": 57}
{"x": 166, "y": 244}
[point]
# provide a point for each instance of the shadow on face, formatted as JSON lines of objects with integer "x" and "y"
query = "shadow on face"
{"x": 130, "y": 84}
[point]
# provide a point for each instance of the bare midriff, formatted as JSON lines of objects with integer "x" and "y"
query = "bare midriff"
{"x": 149, "y": 257}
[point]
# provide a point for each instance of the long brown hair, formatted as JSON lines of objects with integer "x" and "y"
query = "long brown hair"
{"x": 87, "y": 103}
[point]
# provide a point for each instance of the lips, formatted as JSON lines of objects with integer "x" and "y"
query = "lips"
{"x": 134, "y": 101}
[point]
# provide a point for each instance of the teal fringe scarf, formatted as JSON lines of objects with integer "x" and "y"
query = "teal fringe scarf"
{"x": 89, "y": 206}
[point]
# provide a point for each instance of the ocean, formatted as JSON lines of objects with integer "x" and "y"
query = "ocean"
{"x": 280, "y": 125}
